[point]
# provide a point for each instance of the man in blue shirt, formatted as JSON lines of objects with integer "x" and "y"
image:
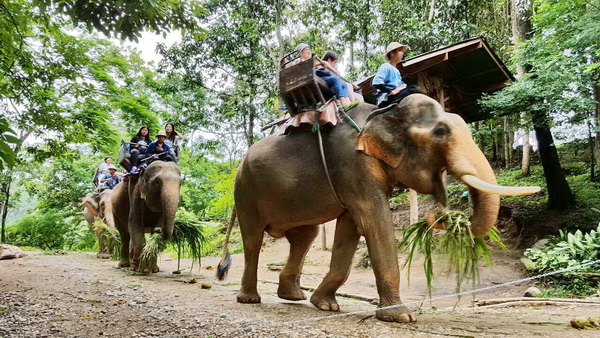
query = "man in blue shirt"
{"x": 110, "y": 179}
{"x": 388, "y": 79}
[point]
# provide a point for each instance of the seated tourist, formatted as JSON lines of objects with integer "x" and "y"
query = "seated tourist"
{"x": 158, "y": 150}
{"x": 388, "y": 79}
{"x": 103, "y": 168}
{"x": 173, "y": 136}
{"x": 139, "y": 147}
{"x": 343, "y": 90}
{"x": 109, "y": 180}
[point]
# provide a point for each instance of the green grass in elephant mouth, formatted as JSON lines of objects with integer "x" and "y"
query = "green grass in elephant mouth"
{"x": 457, "y": 249}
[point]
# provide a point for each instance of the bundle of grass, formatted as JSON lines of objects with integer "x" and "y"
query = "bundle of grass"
{"x": 111, "y": 237}
{"x": 456, "y": 245}
{"x": 188, "y": 237}
{"x": 154, "y": 245}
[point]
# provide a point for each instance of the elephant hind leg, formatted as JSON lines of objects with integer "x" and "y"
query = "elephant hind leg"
{"x": 300, "y": 239}
{"x": 252, "y": 236}
{"x": 344, "y": 244}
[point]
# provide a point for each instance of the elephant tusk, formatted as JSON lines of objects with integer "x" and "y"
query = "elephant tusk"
{"x": 481, "y": 185}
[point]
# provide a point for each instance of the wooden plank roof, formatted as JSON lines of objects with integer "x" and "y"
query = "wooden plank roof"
{"x": 464, "y": 71}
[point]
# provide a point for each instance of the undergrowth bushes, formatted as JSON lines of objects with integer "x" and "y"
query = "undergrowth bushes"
{"x": 568, "y": 249}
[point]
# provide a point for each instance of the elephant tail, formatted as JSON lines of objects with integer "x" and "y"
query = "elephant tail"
{"x": 225, "y": 262}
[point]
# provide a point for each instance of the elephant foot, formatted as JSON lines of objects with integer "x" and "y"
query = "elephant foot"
{"x": 289, "y": 289}
{"x": 399, "y": 314}
{"x": 325, "y": 303}
{"x": 248, "y": 297}
{"x": 124, "y": 264}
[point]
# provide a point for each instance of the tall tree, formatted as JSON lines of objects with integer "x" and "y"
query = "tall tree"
{"x": 521, "y": 31}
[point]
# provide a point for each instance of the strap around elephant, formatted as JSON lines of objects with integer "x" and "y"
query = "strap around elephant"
{"x": 318, "y": 129}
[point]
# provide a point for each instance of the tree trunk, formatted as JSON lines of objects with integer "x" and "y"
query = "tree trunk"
{"x": 500, "y": 149}
{"x": 526, "y": 161}
{"x": 597, "y": 131}
{"x": 481, "y": 136}
{"x": 494, "y": 149}
{"x": 281, "y": 45}
{"x": 592, "y": 155}
{"x": 351, "y": 55}
{"x": 6, "y": 192}
{"x": 507, "y": 143}
{"x": 5, "y": 187}
{"x": 431, "y": 10}
{"x": 559, "y": 194}
{"x": 521, "y": 29}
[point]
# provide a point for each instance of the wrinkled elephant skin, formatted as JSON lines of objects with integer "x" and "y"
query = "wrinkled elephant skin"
{"x": 281, "y": 188}
{"x": 145, "y": 202}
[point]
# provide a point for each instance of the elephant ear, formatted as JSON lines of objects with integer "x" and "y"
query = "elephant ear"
{"x": 90, "y": 203}
{"x": 380, "y": 136}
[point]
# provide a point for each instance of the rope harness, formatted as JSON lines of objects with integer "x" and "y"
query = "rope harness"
{"x": 317, "y": 129}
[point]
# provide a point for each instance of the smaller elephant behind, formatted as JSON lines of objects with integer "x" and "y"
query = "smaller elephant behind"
{"x": 145, "y": 203}
{"x": 99, "y": 206}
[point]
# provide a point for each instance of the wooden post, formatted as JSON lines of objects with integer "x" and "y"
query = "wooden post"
{"x": 414, "y": 206}
{"x": 323, "y": 238}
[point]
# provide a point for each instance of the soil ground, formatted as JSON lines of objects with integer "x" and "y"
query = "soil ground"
{"x": 80, "y": 295}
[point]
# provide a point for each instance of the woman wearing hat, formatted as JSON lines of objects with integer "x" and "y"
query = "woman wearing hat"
{"x": 388, "y": 79}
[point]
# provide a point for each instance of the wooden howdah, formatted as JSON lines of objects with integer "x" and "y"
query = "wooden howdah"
{"x": 301, "y": 88}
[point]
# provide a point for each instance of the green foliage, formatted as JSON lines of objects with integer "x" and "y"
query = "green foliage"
{"x": 215, "y": 237}
{"x": 222, "y": 205}
{"x": 7, "y": 136}
{"x": 153, "y": 246}
{"x": 563, "y": 57}
{"x": 188, "y": 239}
{"x": 188, "y": 236}
{"x": 457, "y": 247}
{"x": 42, "y": 230}
{"x": 574, "y": 287}
{"x": 567, "y": 250}
{"x": 128, "y": 18}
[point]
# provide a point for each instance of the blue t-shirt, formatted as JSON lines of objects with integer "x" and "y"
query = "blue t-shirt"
{"x": 112, "y": 181}
{"x": 389, "y": 76}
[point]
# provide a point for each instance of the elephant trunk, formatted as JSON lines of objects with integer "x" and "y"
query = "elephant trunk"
{"x": 169, "y": 200}
{"x": 485, "y": 205}
{"x": 466, "y": 160}
{"x": 109, "y": 218}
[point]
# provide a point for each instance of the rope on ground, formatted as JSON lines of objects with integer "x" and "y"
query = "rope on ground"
{"x": 340, "y": 315}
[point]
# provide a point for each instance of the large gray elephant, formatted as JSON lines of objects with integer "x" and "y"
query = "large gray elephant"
{"x": 281, "y": 188}
{"x": 145, "y": 203}
{"x": 99, "y": 206}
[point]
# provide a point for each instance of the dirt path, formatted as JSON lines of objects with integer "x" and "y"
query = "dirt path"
{"x": 80, "y": 295}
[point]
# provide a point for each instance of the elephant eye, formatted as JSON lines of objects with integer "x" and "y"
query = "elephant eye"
{"x": 441, "y": 130}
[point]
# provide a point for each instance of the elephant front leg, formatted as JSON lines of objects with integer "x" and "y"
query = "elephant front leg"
{"x": 300, "y": 239}
{"x": 136, "y": 233}
{"x": 344, "y": 244}
{"x": 381, "y": 244}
